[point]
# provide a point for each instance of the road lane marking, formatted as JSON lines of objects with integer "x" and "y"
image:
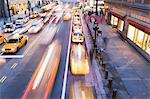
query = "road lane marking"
{"x": 14, "y": 65}
{"x": 66, "y": 66}
{"x": 11, "y": 56}
{"x": 3, "y": 79}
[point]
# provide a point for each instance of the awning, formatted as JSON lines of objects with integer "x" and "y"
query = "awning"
{"x": 139, "y": 24}
{"x": 118, "y": 15}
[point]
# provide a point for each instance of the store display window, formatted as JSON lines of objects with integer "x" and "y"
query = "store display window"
{"x": 120, "y": 25}
{"x": 114, "y": 20}
{"x": 148, "y": 45}
{"x": 139, "y": 37}
{"x": 131, "y": 31}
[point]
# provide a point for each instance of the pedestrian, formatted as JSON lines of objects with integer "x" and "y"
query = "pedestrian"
{"x": 105, "y": 41}
{"x": 101, "y": 12}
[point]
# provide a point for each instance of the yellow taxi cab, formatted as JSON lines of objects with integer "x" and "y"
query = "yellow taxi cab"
{"x": 80, "y": 90}
{"x": 34, "y": 15}
{"x": 77, "y": 26}
{"x": 14, "y": 44}
{"x": 2, "y": 38}
{"x": 67, "y": 16}
{"x": 77, "y": 37}
{"x": 79, "y": 60}
{"x": 76, "y": 21}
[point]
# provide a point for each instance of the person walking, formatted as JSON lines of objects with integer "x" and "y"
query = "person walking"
{"x": 105, "y": 41}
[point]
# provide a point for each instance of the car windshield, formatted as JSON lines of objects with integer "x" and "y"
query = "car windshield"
{"x": 8, "y": 26}
{"x": 77, "y": 34}
{"x": 77, "y": 24}
{"x": 20, "y": 18}
{"x": 13, "y": 41}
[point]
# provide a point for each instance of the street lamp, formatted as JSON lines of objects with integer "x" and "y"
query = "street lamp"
{"x": 95, "y": 28}
{"x": 8, "y": 9}
{"x": 97, "y": 7}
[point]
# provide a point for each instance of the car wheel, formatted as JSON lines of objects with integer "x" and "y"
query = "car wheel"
{"x": 25, "y": 42}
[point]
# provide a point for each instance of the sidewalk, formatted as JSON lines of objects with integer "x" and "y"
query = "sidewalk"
{"x": 130, "y": 71}
{"x": 100, "y": 92}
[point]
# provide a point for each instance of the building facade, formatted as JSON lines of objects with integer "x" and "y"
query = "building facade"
{"x": 131, "y": 18}
{"x": 13, "y": 7}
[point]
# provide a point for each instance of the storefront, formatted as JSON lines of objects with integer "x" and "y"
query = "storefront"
{"x": 18, "y": 8}
{"x": 117, "y": 20}
{"x": 139, "y": 34}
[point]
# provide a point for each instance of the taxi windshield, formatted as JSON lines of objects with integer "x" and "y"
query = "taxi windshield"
{"x": 13, "y": 41}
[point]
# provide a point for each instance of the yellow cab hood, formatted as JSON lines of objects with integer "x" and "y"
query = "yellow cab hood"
{"x": 10, "y": 45}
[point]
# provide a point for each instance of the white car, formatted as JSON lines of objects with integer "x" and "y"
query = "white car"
{"x": 22, "y": 20}
{"x": 77, "y": 37}
{"x": 23, "y": 29}
{"x": 36, "y": 27}
{"x": 9, "y": 27}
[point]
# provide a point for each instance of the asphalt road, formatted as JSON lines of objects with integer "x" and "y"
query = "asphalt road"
{"x": 63, "y": 35}
{"x": 18, "y": 72}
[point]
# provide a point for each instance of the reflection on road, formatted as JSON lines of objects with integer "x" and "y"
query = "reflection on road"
{"x": 42, "y": 81}
{"x": 80, "y": 90}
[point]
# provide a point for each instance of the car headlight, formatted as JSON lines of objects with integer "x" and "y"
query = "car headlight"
{"x": 3, "y": 49}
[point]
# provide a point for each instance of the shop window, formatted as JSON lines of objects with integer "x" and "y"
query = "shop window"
{"x": 120, "y": 25}
{"x": 131, "y": 31}
{"x": 145, "y": 41}
{"x": 139, "y": 38}
{"x": 148, "y": 45}
{"x": 112, "y": 19}
{"x": 115, "y": 21}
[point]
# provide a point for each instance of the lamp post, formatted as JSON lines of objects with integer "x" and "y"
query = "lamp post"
{"x": 95, "y": 28}
{"x": 96, "y": 7}
{"x": 8, "y": 9}
{"x": 29, "y": 7}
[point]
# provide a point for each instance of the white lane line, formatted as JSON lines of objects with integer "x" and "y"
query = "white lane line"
{"x": 66, "y": 67}
{"x": 14, "y": 65}
{"x": 3, "y": 79}
{"x": 11, "y": 56}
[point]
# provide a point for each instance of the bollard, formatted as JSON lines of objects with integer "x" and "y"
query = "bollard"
{"x": 114, "y": 93}
{"x": 106, "y": 74}
{"x": 110, "y": 83}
